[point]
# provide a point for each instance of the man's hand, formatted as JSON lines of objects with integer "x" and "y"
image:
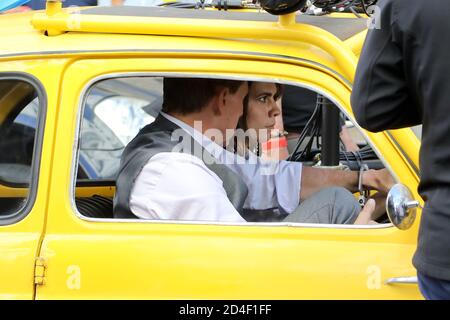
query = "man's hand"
{"x": 366, "y": 214}
{"x": 380, "y": 180}
{"x": 315, "y": 179}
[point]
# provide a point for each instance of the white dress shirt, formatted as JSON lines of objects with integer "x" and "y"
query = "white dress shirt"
{"x": 179, "y": 186}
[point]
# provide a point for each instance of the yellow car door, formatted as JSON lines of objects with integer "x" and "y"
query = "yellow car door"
{"x": 105, "y": 258}
{"x": 25, "y": 152}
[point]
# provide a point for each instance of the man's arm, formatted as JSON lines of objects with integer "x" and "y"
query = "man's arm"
{"x": 381, "y": 98}
{"x": 315, "y": 179}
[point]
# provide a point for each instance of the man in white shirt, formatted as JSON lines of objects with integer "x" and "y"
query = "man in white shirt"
{"x": 158, "y": 181}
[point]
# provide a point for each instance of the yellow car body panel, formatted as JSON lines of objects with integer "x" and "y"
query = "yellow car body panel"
{"x": 89, "y": 258}
{"x": 20, "y": 242}
{"x": 356, "y": 42}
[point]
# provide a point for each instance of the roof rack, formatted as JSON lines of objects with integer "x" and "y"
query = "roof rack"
{"x": 56, "y": 21}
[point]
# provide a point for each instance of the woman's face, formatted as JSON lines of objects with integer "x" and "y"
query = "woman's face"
{"x": 262, "y": 109}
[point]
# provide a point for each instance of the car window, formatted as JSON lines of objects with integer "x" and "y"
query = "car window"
{"x": 124, "y": 116}
{"x": 116, "y": 110}
{"x": 19, "y": 114}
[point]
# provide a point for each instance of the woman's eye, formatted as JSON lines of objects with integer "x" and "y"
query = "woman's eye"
{"x": 262, "y": 99}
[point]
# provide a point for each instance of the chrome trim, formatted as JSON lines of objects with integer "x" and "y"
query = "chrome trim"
{"x": 401, "y": 280}
{"x": 81, "y": 104}
{"x": 237, "y": 224}
{"x": 408, "y": 159}
{"x": 401, "y": 206}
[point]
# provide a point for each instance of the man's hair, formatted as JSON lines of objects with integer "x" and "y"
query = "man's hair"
{"x": 189, "y": 95}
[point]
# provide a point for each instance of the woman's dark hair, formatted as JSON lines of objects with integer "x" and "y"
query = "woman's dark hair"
{"x": 189, "y": 95}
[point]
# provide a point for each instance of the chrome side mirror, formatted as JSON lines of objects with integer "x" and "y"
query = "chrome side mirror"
{"x": 401, "y": 206}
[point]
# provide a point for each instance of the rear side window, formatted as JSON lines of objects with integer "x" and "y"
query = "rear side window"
{"x": 19, "y": 124}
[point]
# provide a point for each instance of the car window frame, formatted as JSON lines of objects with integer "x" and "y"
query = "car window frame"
{"x": 80, "y": 112}
{"x": 16, "y": 217}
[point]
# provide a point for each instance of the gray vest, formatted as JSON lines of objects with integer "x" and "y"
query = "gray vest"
{"x": 156, "y": 138}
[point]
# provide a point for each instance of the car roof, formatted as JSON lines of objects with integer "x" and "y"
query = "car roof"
{"x": 343, "y": 28}
{"x": 157, "y": 29}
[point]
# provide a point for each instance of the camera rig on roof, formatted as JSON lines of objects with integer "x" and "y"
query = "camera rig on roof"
{"x": 354, "y": 6}
{"x": 317, "y": 6}
{"x": 280, "y": 7}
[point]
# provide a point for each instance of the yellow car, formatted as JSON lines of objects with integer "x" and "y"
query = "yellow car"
{"x": 74, "y": 88}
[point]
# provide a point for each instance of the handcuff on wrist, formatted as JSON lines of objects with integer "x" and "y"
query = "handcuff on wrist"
{"x": 363, "y": 193}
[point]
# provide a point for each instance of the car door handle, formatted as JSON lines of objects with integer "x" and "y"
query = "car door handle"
{"x": 402, "y": 280}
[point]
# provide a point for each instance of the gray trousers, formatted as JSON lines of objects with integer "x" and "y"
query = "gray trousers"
{"x": 333, "y": 205}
